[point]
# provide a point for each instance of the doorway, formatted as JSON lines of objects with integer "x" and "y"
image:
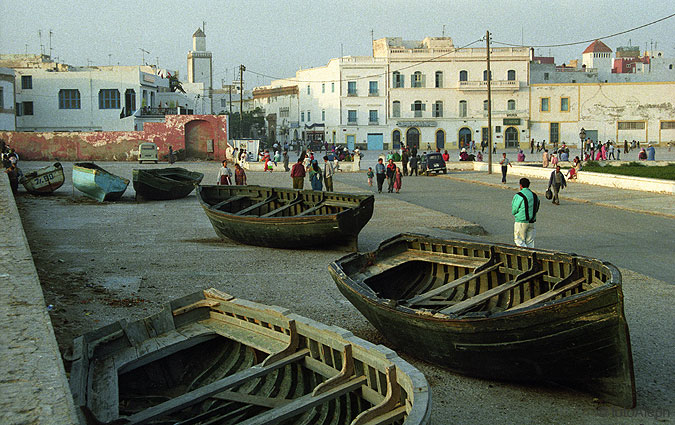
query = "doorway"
{"x": 412, "y": 137}
{"x": 396, "y": 139}
{"x": 129, "y": 102}
{"x": 440, "y": 139}
{"x": 464, "y": 138}
{"x": 511, "y": 137}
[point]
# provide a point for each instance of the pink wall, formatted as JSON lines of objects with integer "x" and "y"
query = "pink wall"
{"x": 114, "y": 145}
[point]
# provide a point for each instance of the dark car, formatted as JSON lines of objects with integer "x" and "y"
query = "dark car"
{"x": 432, "y": 163}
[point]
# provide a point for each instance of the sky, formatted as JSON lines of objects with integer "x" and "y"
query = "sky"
{"x": 276, "y": 38}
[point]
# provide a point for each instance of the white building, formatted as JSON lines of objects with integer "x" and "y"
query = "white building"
{"x": 94, "y": 98}
{"x": 199, "y": 85}
{"x": 7, "y": 117}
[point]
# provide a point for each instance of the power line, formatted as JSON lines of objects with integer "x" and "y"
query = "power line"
{"x": 367, "y": 76}
{"x": 591, "y": 40}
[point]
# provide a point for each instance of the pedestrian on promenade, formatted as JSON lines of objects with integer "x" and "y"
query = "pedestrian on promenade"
{"x": 543, "y": 145}
{"x": 558, "y": 183}
{"x": 554, "y": 159}
{"x": 531, "y": 146}
{"x": 544, "y": 158}
{"x": 505, "y": 166}
{"x": 370, "y": 176}
{"x": 239, "y": 175}
{"x": 315, "y": 176}
{"x": 391, "y": 171}
{"x": 298, "y": 173}
{"x": 611, "y": 151}
{"x": 651, "y": 153}
{"x": 13, "y": 173}
{"x": 405, "y": 157}
{"x": 380, "y": 174}
{"x": 285, "y": 157}
{"x": 524, "y": 209}
{"x": 521, "y": 156}
{"x": 328, "y": 174}
{"x": 414, "y": 161}
{"x": 224, "y": 174}
{"x": 171, "y": 159}
{"x": 398, "y": 179}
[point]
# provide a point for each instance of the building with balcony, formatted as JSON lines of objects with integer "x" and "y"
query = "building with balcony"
{"x": 7, "y": 117}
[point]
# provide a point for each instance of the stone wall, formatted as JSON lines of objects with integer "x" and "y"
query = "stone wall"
{"x": 121, "y": 145}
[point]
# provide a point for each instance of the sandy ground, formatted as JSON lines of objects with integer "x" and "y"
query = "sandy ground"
{"x": 99, "y": 263}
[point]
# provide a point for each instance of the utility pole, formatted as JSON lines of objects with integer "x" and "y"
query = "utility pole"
{"x": 50, "y": 43}
{"x": 242, "y": 68}
{"x": 489, "y": 105}
{"x": 372, "y": 40}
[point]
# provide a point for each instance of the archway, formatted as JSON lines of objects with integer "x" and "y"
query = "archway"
{"x": 412, "y": 138}
{"x": 440, "y": 139}
{"x": 396, "y": 139}
{"x": 464, "y": 137}
{"x": 199, "y": 139}
{"x": 511, "y": 137}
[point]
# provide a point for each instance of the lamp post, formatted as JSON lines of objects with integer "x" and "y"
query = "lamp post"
{"x": 582, "y": 137}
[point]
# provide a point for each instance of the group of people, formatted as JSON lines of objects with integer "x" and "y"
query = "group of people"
{"x": 307, "y": 166}
{"x": 225, "y": 175}
{"x": 10, "y": 160}
{"x": 391, "y": 172}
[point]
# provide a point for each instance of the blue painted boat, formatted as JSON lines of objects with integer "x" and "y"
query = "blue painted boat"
{"x": 97, "y": 183}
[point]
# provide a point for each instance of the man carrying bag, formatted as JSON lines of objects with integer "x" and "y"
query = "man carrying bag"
{"x": 524, "y": 209}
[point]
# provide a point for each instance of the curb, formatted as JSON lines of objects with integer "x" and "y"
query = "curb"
{"x": 567, "y": 198}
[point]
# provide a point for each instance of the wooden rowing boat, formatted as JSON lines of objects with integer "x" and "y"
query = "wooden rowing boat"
{"x": 497, "y": 311}
{"x": 211, "y": 358}
{"x": 97, "y": 183}
{"x": 45, "y": 180}
{"x": 165, "y": 183}
{"x": 286, "y": 218}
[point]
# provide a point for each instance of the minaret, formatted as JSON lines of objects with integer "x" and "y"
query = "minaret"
{"x": 200, "y": 63}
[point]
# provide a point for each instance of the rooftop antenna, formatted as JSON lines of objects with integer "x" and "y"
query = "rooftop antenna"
{"x": 443, "y": 32}
{"x": 157, "y": 59}
{"x": 144, "y": 52}
{"x": 109, "y": 58}
{"x": 42, "y": 47}
{"x": 204, "y": 27}
{"x": 522, "y": 42}
{"x": 50, "y": 42}
{"x": 26, "y": 48}
{"x": 372, "y": 40}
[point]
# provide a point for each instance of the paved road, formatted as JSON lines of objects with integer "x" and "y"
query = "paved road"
{"x": 639, "y": 242}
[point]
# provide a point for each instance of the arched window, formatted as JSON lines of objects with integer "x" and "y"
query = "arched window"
{"x": 439, "y": 79}
{"x": 396, "y": 109}
{"x": 511, "y": 105}
{"x": 398, "y": 80}
{"x": 417, "y": 108}
{"x": 462, "y": 108}
{"x": 463, "y": 75}
{"x": 511, "y": 75}
{"x": 485, "y": 75}
{"x": 417, "y": 80}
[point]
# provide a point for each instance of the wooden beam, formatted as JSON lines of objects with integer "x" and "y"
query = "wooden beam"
{"x": 312, "y": 209}
{"x": 305, "y": 403}
{"x": 482, "y": 297}
{"x": 342, "y": 377}
{"x": 387, "y": 405}
{"x": 290, "y": 348}
{"x": 193, "y": 397}
{"x": 284, "y": 207}
{"x": 548, "y": 295}
{"x": 252, "y": 399}
{"x": 421, "y": 298}
{"x": 227, "y": 201}
{"x": 255, "y": 206}
{"x": 194, "y": 306}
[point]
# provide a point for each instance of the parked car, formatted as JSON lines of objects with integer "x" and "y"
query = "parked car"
{"x": 148, "y": 152}
{"x": 432, "y": 163}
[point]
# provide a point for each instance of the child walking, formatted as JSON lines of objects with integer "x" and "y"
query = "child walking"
{"x": 370, "y": 175}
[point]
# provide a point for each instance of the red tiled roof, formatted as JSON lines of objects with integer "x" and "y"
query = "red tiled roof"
{"x": 598, "y": 46}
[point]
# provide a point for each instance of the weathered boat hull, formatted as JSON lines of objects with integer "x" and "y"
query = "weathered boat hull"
{"x": 44, "y": 180}
{"x": 165, "y": 183}
{"x": 97, "y": 183}
{"x": 210, "y": 358}
{"x": 580, "y": 341}
{"x": 334, "y": 224}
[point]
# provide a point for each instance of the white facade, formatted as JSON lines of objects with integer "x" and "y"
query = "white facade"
{"x": 199, "y": 86}
{"x": 7, "y": 100}
{"x": 104, "y": 98}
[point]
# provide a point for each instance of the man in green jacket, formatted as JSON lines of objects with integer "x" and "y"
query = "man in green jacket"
{"x": 524, "y": 209}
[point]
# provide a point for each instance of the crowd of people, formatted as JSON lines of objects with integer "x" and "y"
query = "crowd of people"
{"x": 10, "y": 160}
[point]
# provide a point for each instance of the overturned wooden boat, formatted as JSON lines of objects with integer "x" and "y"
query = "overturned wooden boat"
{"x": 165, "y": 183}
{"x": 97, "y": 183}
{"x": 44, "y": 180}
{"x": 497, "y": 311}
{"x": 286, "y": 218}
{"x": 211, "y": 358}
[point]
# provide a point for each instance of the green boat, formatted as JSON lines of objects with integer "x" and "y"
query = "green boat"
{"x": 286, "y": 218}
{"x": 165, "y": 183}
{"x": 97, "y": 183}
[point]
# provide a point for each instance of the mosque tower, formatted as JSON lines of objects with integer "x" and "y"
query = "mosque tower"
{"x": 200, "y": 62}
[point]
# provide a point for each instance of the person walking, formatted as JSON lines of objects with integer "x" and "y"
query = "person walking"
{"x": 298, "y": 174}
{"x": 557, "y": 182}
{"x": 370, "y": 176}
{"x": 531, "y": 146}
{"x": 524, "y": 207}
{"x": 171, "y": 158}
{"x": 413, "y": 165}
{"x": 404, "y": 160}
{"x": 544, "y": 158}
{"x": 285, "y": 157}
{"x": 239, "y": 175}
{"x": 224, "y": 174}
{"x": 398, "y": 179}
{"x": 391, "y": 171}
{"x": 380, "y": 174}
{"x": 327, "y": 174}
{"x": 505, "y": 166}
{"x": 315, "y": 176}
{"x": 651, "y": 153}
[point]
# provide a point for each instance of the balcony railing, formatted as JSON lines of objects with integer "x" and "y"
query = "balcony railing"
{"x": 373, "y": 122}
{"x": 494, "y": 85}
{"x": 418, "y": 114}
{"x": 153, "y": 111}
{"x": 351, "y": 94}
{"x": 515, "y": 113}
{"x": 350, "y": 122}
{"x": 374, "y": 93}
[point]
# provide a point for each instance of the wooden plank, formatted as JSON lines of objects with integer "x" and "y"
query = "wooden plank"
{"x": 304, "y": 403}
{"x": 103, "y": 394}
{"x": 229, "y": 200}
{"x": 389, "y": 417}
{"x": 282, "y": 208}
{"x": 195, "y": 305}
{"x": 419, "y": 299}
{"x": 548, "y": 295}
{"x": 193, "y": 397}
{"x": 79, "y": 372}
{"x": 255, "y": 206}
{"x": 474, "y": 301}
{"x": 255, "y": 400}
{"x": 312, "y": 209}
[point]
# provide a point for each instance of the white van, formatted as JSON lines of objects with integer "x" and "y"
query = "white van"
{"x": 148, "y": 151}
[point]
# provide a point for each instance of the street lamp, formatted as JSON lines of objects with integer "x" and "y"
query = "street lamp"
{"x": 582, "y": 137}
